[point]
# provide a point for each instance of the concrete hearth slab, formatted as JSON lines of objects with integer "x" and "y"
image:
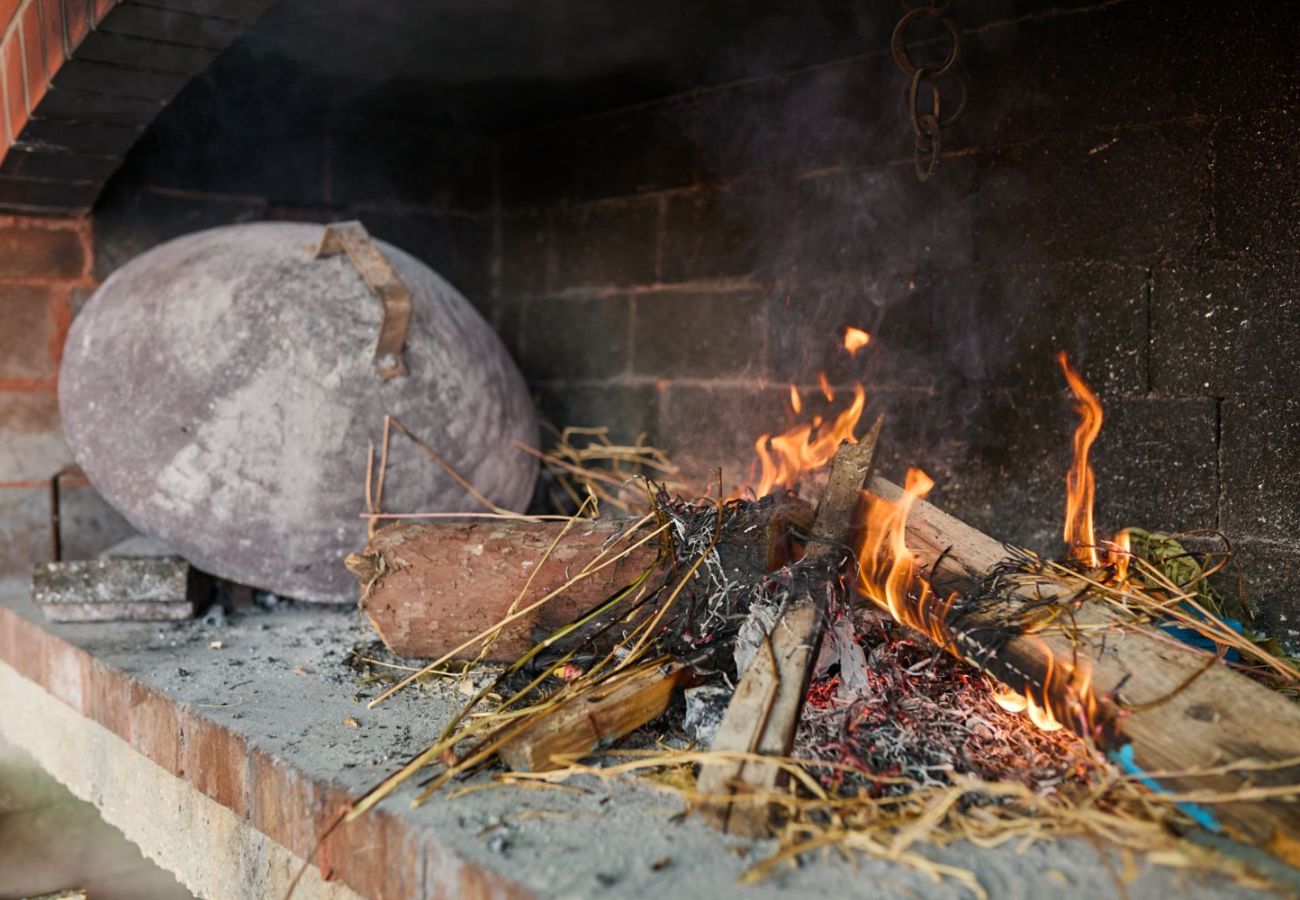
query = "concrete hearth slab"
{"x": 225, "y": 762}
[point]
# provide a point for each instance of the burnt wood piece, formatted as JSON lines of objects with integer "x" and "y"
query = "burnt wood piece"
{"x": 429, "y": 587}
{"x": 764, "y": 712}
{"x": 1221, "y": 716}
{"x": 106, "y": 590}
{"x": 587, "y": 723}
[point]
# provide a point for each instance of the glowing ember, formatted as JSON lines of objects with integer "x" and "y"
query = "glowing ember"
{"x": 1079, "y": 483}
{"x": 784, "y": 458}
{"x": 855, "y": 339}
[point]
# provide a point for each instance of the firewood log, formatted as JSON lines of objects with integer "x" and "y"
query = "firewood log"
{"x": 1182, "y": 716}
{"x": 431, "y": 586}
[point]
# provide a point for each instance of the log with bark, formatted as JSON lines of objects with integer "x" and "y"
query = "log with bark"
{"x": 429, "y": 587}
{"x": 1177, "y": 710}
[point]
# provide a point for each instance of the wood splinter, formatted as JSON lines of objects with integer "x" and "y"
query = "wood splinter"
{"x": 764, "y": 712}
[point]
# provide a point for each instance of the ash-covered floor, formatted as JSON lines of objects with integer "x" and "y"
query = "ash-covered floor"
{"x": 280, "y": 677}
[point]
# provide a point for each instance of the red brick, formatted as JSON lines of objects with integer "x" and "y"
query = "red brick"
{"x": 67, "y": 673}
{"x": 29, "y": 652}
{"x": 8, "y": 622}
{"x": 40, "y": 252}
{"x": 27, "y": 330}
{"x": 215, "y": 761}
{"x": 15, "y": 95}
{"x": 53, "y": 49}
{"x": 102, "y": 8}
{"x": 108, "y": 699}
{"x": 282, "y": 803}
{"x": 7, "y": 10}
{"x": 155, "y": 731}
{"x": 76, "y": 18}
{"x": 33, "y": 66}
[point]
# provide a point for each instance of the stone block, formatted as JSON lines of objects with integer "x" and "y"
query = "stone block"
{"x": 720, "y": 234}
{"x": 27, "y": 338}
{"x": 615, "y": 154}
{"x": 683, "y": 334}
{"x": 456, "y": 246}
{"x": 522, "y": 260}
{"x": 29, "y": 250}
{"x": 1002, "y": 329}
{"x": 1271, "y": 572}
{"x": 1134, "y": 195}
{"x": 1257, "y": 182}
{"x": 705, "y": 426}
{"x": 1260, "y": 459}
{"x": 33, "y": 448}
{"x": 626, "y": 410}
{"x": 604, "y": 245}
{"x": 883, "y": 221}
{"x": 576, "y": 338}
{"x": 24, "y": 529}
{"x": 375, "y": 163}
{"x": 806, "y": 324}
{"x": 106, "y": 590}
{"x": 1225, "y": 328}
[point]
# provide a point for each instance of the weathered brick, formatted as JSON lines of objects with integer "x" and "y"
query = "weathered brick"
{"x": 806, "y": 332}
{"x": 575, "y": 338}
{"x": 1001, "y": 330}
{"x": 23, "y": 162}
{"x": 611, "y": 155}
{"x": 100, "y": 46}
{"x": 1136, "y": 194}
{"x": 523, "y": 254}
{"x": 87, "y": 106}
{"x": 706, "y": 426}
{"x": 604, "y": 245}
{"x": 79, "y": 137}
{"x": 1223, "y": 328}
{"x": 626, "y": 410}
{"x": 692, "y": 334}
{"x": 106, "y": 78}
{"x": 52, "y": 36}
{"x": 28, "y": 250}
{"x": 51, "y": 198}
{"x": 33, "y": 448}
{"x": 12, "y": 78}
{"x": 374, "y": 163}
{"x": 718, "y": 234}
{"x": 24, "y": 529}
{"x": 27, "y": 333}
{"x": 884, "y": 220}
{"x": 1257, "y": 183}
{"x": 170, "y": 26}
{"x": 457, "y": 247}
{"x": 1260, "y": 459}
{"x": 129, "y": 221}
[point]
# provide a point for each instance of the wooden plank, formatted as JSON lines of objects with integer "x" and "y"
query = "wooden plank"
{"x": 585, "y": 724}
{"x": 1220, "y": 717}
{"x": 764, "y": 712}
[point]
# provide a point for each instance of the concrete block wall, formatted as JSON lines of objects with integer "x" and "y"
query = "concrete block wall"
{"x": 1119, "y": 187}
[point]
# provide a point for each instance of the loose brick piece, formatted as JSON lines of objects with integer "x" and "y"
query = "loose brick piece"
{"x": 104, "y": 590}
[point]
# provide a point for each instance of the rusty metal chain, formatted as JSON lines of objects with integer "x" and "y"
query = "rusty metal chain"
{"x": 921, "y": 98}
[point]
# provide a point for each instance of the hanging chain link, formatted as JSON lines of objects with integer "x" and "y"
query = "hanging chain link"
{"x": 921, "y": 98}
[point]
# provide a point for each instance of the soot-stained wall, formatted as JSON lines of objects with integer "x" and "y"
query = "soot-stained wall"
{"x": 1121, "y": 187}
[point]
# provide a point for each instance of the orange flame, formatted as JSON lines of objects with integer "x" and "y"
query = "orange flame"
{"x": 855, "y": 339}
{"x": 825, "y": 386}
{"x": 887, "y": 570}
{"x": 1079, "y": 483}
{"x": 784, "y": 458}
{"x": 796, "y": 401}
{"x": 1119, "y": 553}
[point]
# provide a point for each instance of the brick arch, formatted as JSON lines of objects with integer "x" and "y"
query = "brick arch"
{"x": 80, "y": 80}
